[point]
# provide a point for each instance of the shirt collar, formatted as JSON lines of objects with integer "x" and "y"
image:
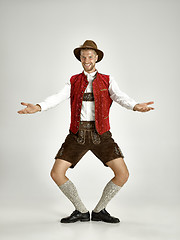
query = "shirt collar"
{"x": 90, "y": 74}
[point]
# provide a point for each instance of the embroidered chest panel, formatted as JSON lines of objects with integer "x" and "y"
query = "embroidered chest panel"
{"x": 88, "y": 97}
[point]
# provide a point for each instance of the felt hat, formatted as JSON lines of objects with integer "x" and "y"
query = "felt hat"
{"x": 88, "y": 44}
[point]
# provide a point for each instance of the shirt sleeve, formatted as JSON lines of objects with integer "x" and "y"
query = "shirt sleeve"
{"x": 120, "y": 97}
{"x": 54, "y": 100}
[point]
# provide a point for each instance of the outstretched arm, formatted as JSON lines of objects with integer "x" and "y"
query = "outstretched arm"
{"x": 143, "y": 107}
{"x": 124, "y": 100}
{"x": 30, "y": 108}
{"x": 48, "y": 103}
{"x": 120, "y": 97}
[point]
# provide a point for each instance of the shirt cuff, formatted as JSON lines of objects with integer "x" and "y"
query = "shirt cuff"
{"x": 43, "y": 106}
{"x": 133, "y": 105}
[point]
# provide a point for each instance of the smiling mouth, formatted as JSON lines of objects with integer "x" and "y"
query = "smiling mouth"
{"x": 87, "y": 65}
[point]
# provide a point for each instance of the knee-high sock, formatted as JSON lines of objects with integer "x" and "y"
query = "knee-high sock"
{"x": 71, "y": 193}
{"x": 110, "y": 190}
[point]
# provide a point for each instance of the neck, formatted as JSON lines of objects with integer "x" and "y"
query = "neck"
{"x": 90, "y": 71}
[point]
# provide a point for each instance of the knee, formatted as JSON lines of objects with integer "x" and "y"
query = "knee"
{"x": 53, "y": 174}
{"x": 56, "y": 176}
{"x": 126, "y": 176}
{"x": 122, "y": 177}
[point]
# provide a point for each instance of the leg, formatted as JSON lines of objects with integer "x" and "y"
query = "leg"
{"x": 111, "y": 189}
{"x": 67, "y": 187}
{"x": 114, "y": 185}
{"x": 120, "y": 171}
{"x": 73, "y": 152}
{"x": 59, "y": 170}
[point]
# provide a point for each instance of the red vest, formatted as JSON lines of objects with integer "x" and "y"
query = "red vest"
{"x": 102, "y": 100}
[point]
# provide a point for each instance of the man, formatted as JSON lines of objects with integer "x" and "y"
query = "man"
{"x": 91, "y": 95}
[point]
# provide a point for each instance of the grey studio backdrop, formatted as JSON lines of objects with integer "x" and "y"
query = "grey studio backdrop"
{"x": 140, "y": 40}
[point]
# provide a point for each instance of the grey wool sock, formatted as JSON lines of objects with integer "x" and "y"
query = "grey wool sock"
{"x": 110, "y": 190}
{"x": 71, "y": 193}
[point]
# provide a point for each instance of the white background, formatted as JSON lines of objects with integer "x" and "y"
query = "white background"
{"x": 140, "y": 40}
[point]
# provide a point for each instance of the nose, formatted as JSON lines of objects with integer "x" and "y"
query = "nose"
{"x": 86, "y": 60}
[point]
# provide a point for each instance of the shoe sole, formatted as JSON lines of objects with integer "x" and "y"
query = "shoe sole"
{"x": 81, "y": 220}
{"x": 95, "y": 219}
{"x": 98, "y": 220}
{"x": 84, "y": 220}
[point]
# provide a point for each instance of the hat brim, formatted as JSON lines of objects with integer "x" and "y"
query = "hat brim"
{"x": 77, "y": 52}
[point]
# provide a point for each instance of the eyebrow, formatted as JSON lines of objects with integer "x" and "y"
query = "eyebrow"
{"x": 85, "y": 56}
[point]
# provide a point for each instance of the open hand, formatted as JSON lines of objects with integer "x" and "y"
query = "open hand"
{"x": 143, "y": 107}
{"x": 30, "y": 108}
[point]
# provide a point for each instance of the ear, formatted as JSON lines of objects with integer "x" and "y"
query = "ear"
{"x": 96, "y": 58}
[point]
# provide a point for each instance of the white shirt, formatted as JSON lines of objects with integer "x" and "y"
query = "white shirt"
{"x": 88, "y": 107}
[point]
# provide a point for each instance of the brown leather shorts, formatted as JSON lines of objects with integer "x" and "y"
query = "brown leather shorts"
{"x": 87, "y": 138}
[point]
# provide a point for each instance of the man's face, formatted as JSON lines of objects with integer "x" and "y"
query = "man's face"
{"x": 88, "y": 59}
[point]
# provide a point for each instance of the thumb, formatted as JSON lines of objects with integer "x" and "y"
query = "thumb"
{"x": 25, "y": 104}
{"x": 148, "y": 103}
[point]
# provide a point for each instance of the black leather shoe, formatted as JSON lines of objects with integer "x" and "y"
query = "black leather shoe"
{"x": 104, "y": 216}
{"x": 76, "y": 216}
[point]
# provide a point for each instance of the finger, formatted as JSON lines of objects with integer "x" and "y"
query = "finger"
{"x": 148, "y": 109}
{"x": 144, "y": 109}
{"x": 26, "y": 111}
{"x": 23, "y": 103}
{"x": 20, "y": 112}
{"x": 23, "y": 111}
